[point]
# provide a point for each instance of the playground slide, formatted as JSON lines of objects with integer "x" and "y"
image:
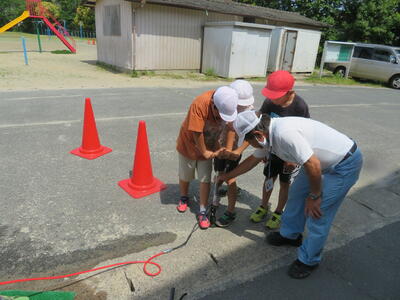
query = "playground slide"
{"x": 59, "y": 35}
{"x": 22, "y": 17}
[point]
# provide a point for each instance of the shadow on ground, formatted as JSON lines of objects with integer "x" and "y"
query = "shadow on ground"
{"x": 241, "y": 227}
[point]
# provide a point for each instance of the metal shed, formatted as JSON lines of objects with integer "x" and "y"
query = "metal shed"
{"x": 236, "y": 49}
{"x": 293, "y": 49}
{"x": 168, "y": 34}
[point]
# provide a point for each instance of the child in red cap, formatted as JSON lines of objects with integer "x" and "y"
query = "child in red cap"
{"x": 281, "y": 101}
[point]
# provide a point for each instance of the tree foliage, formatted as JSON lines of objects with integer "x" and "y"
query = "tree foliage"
{"x": 372, "y": 21}
{"x": 52, "y": 8}
{"x": 63, "y": 10}
{"x": 10, "y": 9}
{"x": 84, "y": 15}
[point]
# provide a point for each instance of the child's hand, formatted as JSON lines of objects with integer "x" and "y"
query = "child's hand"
{"x": 224, "y": 154}
{"x": 233, "y": 155}
{"x": 221, "y": 178}
{"x": 208, "y": 154}
{"x": 220, "y": 152}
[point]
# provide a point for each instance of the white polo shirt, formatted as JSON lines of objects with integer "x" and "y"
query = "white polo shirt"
{"x": 295, "y": 139}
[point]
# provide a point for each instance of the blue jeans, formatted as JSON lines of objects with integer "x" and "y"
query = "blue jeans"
{"x": 336, "y": 182}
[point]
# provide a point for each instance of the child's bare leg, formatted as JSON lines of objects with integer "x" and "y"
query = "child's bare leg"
{"x": 204, "y": 194}
{"x": 184, "y": 187}
{"x": 283, "y": 196}
{"x": 266, "y": 195}
{"x": 232, "y": 194}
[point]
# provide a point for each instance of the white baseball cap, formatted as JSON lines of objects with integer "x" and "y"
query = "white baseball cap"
{"x": 226, "y": 100}
{"x": 245, "y": 92}
{"x": 244, "y": 123}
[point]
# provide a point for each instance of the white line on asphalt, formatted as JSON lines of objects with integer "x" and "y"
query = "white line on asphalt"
{"x": 97, "y": 120}
{"x": 44, "y": 97}
{"x": 68, "y": 96}
{"x": 355, "y": 105}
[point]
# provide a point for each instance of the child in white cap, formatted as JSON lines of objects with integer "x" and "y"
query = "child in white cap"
{"x": 197, "y": 143}
{"x": 232, "y": 155}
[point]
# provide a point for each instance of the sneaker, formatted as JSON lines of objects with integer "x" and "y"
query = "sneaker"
{"x": 226, "y": 219}
{"x": 274, "y": 222}
{"x": 258, "y": 215}
{"x": 275, "y": 239}
{"x": 204, "y": 223}
{"x": 298, "y": 270}
{"x": 183, "y": 204}
{"x": 213, "y": 214}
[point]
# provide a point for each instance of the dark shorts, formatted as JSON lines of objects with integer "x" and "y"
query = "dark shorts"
{"x": 277, "y": 169}
{"x": 221, "y": 165}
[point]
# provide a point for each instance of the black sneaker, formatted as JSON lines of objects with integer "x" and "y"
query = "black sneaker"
{"x": 275, "y": 239}
{"x": 226, "y": 219}
{"x": 213, "y": 214}
{"x": 298, "y": 270}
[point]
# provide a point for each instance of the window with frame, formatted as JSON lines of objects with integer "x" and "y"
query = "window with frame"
{"x": 112, "y": 20}
{"x": 357, "y": 51}
{"x": 382, "y": 55}
{"x": 365, "y": 53}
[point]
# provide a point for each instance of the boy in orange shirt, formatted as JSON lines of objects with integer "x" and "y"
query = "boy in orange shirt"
{"x": 197, "y": 143}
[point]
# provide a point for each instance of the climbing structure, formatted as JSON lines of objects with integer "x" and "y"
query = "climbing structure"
{"x": 35, "y": 9}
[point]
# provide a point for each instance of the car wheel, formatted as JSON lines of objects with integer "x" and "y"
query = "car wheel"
{"x": 394, "y": 82}
{"x": 340, "y": 71}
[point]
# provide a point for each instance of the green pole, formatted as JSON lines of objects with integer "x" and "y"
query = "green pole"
{"x": 38, "y": 38}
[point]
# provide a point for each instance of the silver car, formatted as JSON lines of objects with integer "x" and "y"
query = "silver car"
{"x": 375, "y": 62}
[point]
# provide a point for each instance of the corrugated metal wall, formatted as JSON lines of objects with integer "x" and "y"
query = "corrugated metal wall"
{"x": 170, "y": 38}
{"x": 115, "y": 50}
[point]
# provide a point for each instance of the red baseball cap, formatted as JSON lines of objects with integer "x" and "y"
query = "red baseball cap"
{"x": 278, "y": 84}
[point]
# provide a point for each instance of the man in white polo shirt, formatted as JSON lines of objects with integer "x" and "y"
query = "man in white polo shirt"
{"x": 331, "y": 164}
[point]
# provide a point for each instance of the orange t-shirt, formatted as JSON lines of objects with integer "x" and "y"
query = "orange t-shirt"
{"x": 199, "y": 119}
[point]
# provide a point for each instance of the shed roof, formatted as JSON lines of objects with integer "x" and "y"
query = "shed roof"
{"x": 239, "y": 9}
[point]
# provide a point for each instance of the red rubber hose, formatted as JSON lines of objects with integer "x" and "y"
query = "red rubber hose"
{"x": 145, "y": 263}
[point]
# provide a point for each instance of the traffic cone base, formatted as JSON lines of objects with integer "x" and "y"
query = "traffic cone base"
{"x": 91, "y": 154}
{"x": 142, "y": 182}
{"x": 137, "y": 191}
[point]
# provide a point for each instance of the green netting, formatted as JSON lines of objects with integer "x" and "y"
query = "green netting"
{"x": 34, "y": 295}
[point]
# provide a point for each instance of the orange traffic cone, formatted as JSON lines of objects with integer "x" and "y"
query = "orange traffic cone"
{"x": 91, "y": 147}
{"x": 88, "y": 42}
{"x": 94, "y": 42}
{"x": 142, "y": 181}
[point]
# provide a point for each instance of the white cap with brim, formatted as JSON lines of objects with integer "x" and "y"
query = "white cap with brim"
{"x": 245, "y": 92}
{"x": 244, "y": 123}
{"x": 226, "y": 100}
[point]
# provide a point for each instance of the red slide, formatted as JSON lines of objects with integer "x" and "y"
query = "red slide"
{"x": 59, "y": 35}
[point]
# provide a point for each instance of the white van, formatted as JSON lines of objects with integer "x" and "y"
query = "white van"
{"x": 375, "y": 62}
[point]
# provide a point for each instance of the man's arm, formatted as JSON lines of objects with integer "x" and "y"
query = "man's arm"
{"x": 313, "y": 169}
{"x": 245, "y": 166}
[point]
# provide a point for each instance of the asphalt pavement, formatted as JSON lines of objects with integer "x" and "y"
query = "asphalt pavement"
{"x": 62, "y": 214}
{"x": 367, "y": 268}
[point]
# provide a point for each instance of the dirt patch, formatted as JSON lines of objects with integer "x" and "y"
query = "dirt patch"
{"x": 48, "y": 70}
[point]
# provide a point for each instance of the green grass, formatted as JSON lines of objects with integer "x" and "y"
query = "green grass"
{"x": 330, "y": 78}
{"x": 16, "y": 34}
{"x": 61, "y": 52}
